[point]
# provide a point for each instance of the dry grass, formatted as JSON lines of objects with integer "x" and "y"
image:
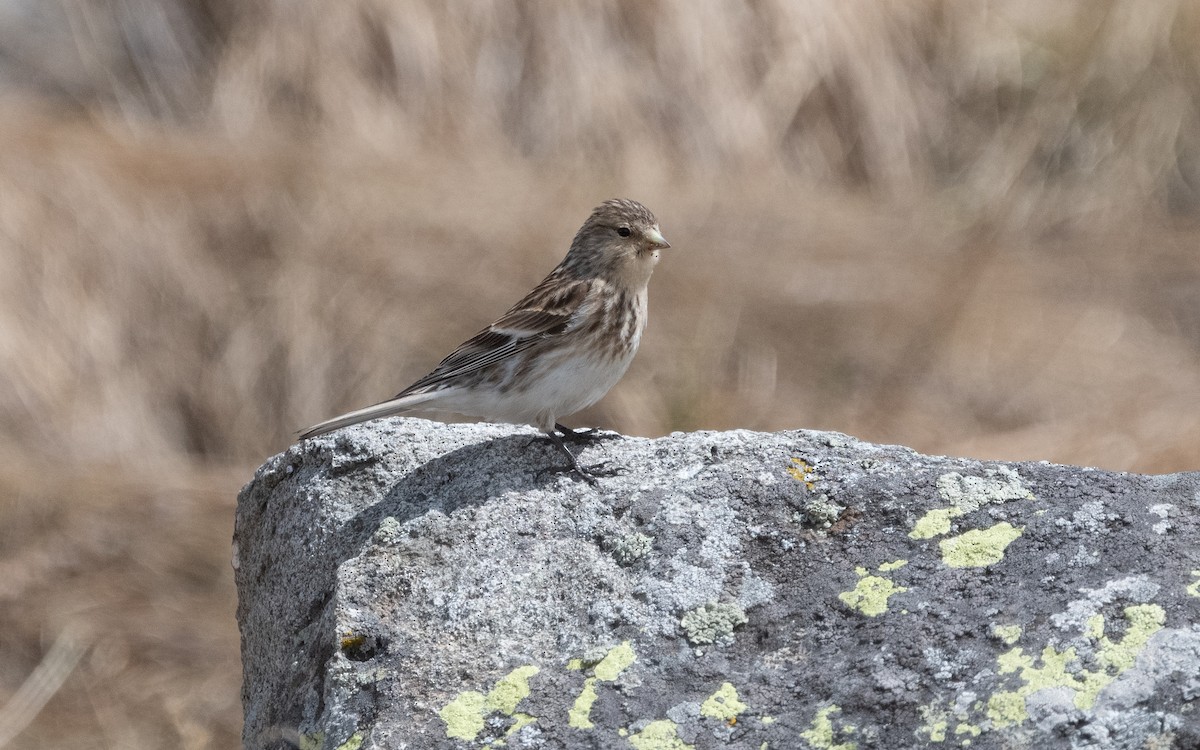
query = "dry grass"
{"x": 966, "y": 227}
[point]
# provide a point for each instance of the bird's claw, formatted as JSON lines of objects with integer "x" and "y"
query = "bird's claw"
{"x": 590, "y": 435}
{"x": 589, "y": 474}
{"x": 602, "y": 470}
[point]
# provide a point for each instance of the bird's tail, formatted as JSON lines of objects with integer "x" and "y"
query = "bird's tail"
{"x": 385, "y": 409}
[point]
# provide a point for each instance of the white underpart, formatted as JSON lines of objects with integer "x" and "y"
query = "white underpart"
{"x": 563, "y": 381}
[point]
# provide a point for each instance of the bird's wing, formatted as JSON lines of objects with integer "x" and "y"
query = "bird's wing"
{"x": 543, "y": 313}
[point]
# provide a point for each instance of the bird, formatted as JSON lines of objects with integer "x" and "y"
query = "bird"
{"x": 556, "y": 351}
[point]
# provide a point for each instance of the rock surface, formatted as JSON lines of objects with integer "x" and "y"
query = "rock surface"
{"x": 409, "y": 584}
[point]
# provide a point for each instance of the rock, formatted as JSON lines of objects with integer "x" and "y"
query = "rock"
{"x": 410, "y": 584}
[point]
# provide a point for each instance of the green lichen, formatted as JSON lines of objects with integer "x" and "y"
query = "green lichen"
{"x": 659, "y": 735}
{"x": 893, "y": 565}
{"x": 870, "y": 595}
{"x": 1193, "y": 588}
{"x": 1006, "y": 708}
{"x": 937, "y": 720}
{"x": 980, "y": 547}
{"x": 464, "y": 716}
{"x": 1064, "y": 669}
{"x": 354, "y": 743}
{"x": 520, "y": 720}
{"x": 966, "y": 494}
{"x": 607, "y": 669}
{"x": 1008, "y": 634}
{"x": 821, "y": 734}
{"x": 966, "y": 728}
{"x": 580, "y": 714}
{"x": 511, "y": 690}
{"x": 934, "y": 523}
{"x": 616, "y": 661}
{"x": 937, "y": 731}
{"x": 723, "y": 704}
{"x": 821, "y": 512}
{"x": 627, "y": 549}
{"x": 1143, "y": 621}
{"x": 933, "y": 723}
{"x": 712, "y": 622}
{"x": 314, "y": 741}
{"x": 972, "y": 493}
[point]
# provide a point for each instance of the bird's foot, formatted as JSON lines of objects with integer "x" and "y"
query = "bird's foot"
{"x": 588, "y": 474}
{"x": 590, "y": 435}
{"x": 591, "y": 473}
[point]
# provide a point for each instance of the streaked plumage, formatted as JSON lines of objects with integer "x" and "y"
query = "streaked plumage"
{"x": 559, "y": 349}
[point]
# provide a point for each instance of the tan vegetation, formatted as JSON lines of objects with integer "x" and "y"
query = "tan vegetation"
{"x": 967, "y": 227}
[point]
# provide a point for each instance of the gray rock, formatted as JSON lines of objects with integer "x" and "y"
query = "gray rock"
{"x": 409, "y": 584}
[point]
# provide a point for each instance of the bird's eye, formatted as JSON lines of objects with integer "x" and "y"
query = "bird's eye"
{"x": 623, "y": 231}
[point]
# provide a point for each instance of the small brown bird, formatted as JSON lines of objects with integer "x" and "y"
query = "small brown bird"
{"x": 559, "y": 349}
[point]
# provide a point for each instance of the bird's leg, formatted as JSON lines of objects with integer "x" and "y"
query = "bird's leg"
{"x": 590, "y": 435}
{"x": 588, "y": 475}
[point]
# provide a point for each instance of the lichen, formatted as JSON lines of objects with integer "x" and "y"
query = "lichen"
{"x": 1006, "y": 708}
{"x": 965, "y": 494}
{"x": 937, "y": 731}
{"x": 1065, "y": 669}
{"x": 964, "y": 727}
{"x": 511, "y": 690}
{"x": 979, "y": 548}
{"x": 821, "y": 733}
{"x": 627, "y": 549}
{"x": 606, "y": 669}
{"x": 354, "y": 743}
{"x": 659, "y": 735}
{"x": 723, "y": 704}
{"x": 616, "y": 661}
{"x": 820, "y": 512}
{"x": 802, "y": 472}
{"x": 934, "y": 523}
{"x": 712, "y": 622}
{"x": 1008, "y": 634}
{"x": 464, "y": 716}
{"x": 970, "y": 493}
{"x": 870, "y": 596}
{"x": 580, "y": 714}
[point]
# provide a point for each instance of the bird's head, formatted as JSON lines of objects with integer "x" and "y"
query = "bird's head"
{"x": 620, "y": 241}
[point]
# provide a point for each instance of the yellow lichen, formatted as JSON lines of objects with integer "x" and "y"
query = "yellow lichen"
{"x": 723, "y": 704}
{"x": 934, "y": 523}
{"x": 821, "y": 733}
{"x": 870, "y": 596}
{"x": 980, "y": 547}
{"x": 802, "y": 472}
{"x": 659, "y": 735}
{"x": 1008, "y": 634}
{"x": 464, "y": 716}
{"x": 580, "y": 714}
{"x": 616, "y": 661}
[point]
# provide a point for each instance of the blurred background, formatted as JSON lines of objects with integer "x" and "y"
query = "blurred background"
{"x": 967, "y": 227}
